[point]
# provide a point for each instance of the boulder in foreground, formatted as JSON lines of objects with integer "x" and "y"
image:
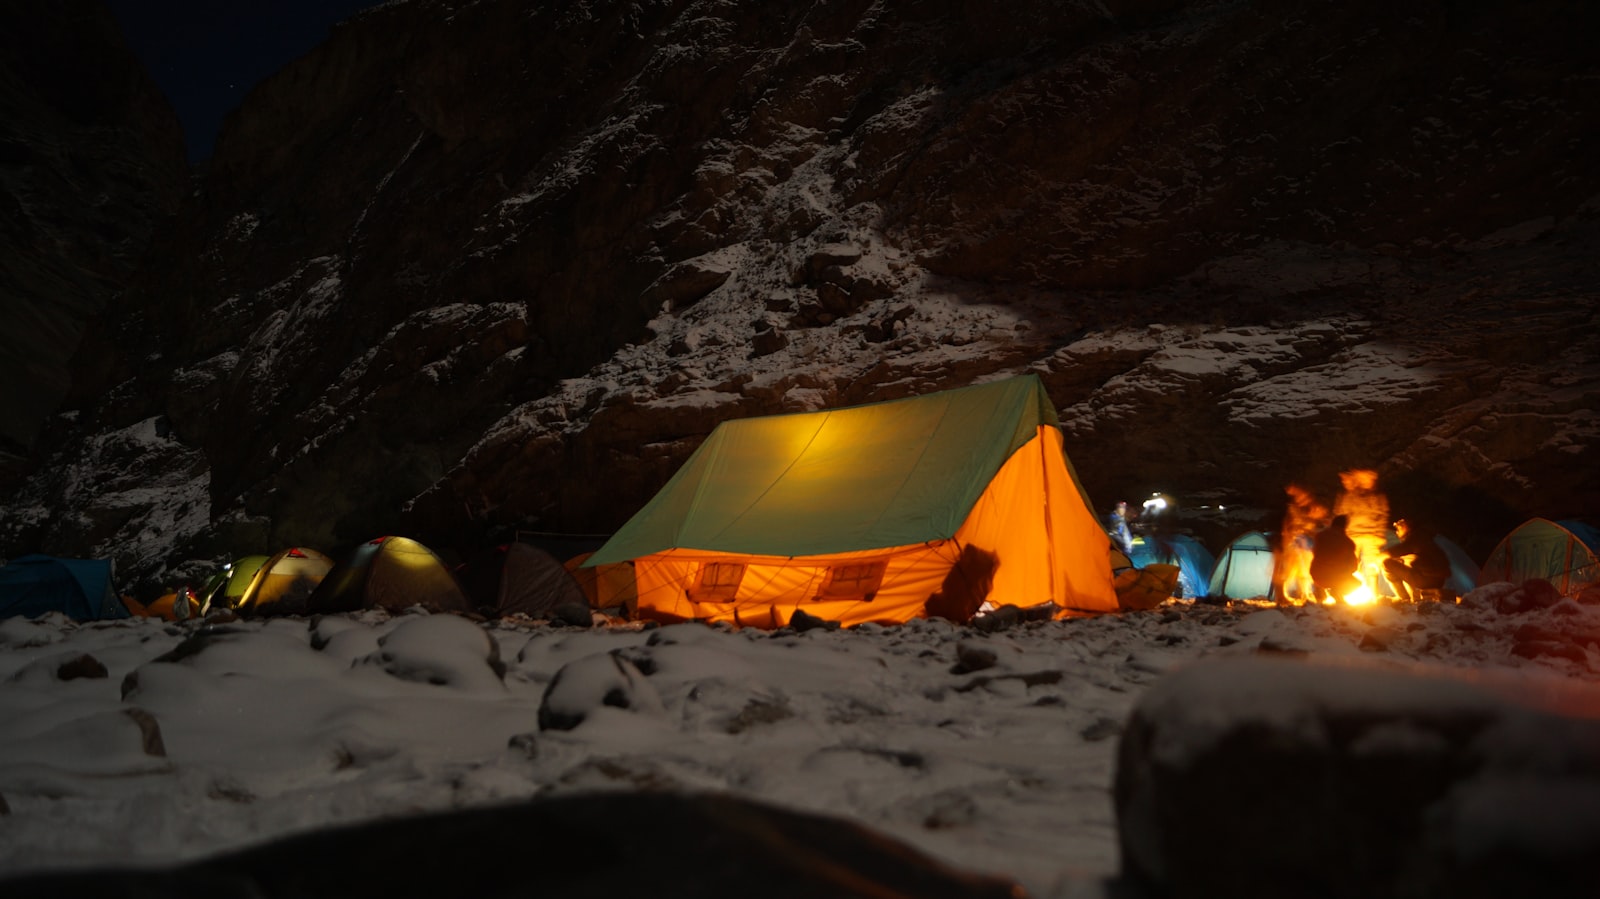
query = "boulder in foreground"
{"x": 1273, "y": 777}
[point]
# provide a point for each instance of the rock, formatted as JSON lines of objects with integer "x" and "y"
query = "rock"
{"x": 999, "y": 619}
{"x": 91, "y": 163}
{"x": 1377, "y": 639}
{"x": 803, "y": 621}
{"x": 1363, "y": 780}
{"x": 970, "y": 658}
{"x": 601, "y": 680}
{"x": 1100, "y": 729}
{"x": 719, "y": 846}
{"x": 573, "y": 614}
{"x": 83, "y": 665}
{"x": 445, "y": 650}
{"x": 768, "y": 339}
{"x": 1540, "y": 649}
{"x": 1532, "y": 594}
{"x": 149, "y": 732}
{"x": 685, "y": 284}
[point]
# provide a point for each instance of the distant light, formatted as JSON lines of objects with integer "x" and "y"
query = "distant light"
{"x": 1155, "y": 504}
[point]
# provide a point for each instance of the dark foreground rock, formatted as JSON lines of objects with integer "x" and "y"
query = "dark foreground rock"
{"x": 649, "y": 844}
{"x": 1280, "y": 777}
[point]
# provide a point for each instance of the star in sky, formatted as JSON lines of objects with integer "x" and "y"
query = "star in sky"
{"x": 207, "y": 55}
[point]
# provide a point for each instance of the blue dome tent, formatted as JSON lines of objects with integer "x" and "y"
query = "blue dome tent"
{"x": 1194, "y": 561}
{"x": 34, "y": 585}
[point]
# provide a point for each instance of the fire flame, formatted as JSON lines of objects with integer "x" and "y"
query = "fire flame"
{"x": 1367, "y": 512}
{"x": 1302, "y": 519}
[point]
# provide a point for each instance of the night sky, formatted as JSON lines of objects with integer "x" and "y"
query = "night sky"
{"x": 207, "y": 54}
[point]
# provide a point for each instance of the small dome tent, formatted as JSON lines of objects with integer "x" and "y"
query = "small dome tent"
{"x": 519, "y": 579}
{"x": 1193, "y": 561}
{"x": 1463, "y": 571}
{"x": 1565, "y": 553}
{"x": 284, "y": 582}
{"x": 33, "y": 585}
{"x": 224, "y": 589}
{"x": 392, "y": 573}
{"x": 1245, "y": 568}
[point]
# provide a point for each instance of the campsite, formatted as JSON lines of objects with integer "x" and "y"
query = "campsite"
{"x": 800, "y": 448}
{"x": 814, "y": 637}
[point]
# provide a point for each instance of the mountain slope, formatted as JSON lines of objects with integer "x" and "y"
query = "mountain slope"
{"x": 471, "y": 266}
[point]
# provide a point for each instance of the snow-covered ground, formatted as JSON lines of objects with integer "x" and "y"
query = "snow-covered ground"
{"x": 992, "y": 750}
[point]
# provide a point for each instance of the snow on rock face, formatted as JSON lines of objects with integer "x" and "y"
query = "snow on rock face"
{"x": 523, "y": 300}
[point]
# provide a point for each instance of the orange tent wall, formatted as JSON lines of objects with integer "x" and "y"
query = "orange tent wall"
{"x": 1031, "y": 518}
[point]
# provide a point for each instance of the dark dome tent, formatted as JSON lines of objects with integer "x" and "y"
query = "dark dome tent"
{"x": 519, "y": 579}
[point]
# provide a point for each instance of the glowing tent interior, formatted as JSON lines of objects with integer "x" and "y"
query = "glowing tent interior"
{"x": 1245, "y": 568}
{"x": 1565, "y": 553}
{"x": 392, "y": 573}
{"x": 930, "y": 505}
{"x": 284, "y": 582}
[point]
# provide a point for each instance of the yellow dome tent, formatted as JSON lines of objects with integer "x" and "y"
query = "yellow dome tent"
{"x": 284, "y": 582}
{"x": 930, "y": 505}
{"x": 393, "y": 573}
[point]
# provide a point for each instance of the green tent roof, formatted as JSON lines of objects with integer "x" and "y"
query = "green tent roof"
{"x": 864, "y": 477}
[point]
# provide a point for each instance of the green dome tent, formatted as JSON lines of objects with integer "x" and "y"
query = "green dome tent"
{"x": 1245, "y": 568}
{"x": 1565, "y": 553}
{"x": 224, "y": 589}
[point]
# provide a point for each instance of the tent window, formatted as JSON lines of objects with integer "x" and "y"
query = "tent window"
{"x": 861, "y": 579}
{"x": 717, "y": 581}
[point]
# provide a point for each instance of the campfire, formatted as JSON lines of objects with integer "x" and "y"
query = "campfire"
{"x": 1365, "y": 513}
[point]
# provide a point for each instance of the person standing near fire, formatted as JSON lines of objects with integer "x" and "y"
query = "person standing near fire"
{"x": 1416, "y": 563}
{"x": 1119, "y": 528}
{"x": 1333, "y": 561}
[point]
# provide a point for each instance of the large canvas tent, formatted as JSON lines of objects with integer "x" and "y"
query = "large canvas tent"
{"x": 1565, "y": 553}
{"x": 392, "y": 573}
{"x": 930, "y": 505}
{"x": 33, "y": 585}
{"x": 1244, "y": 569}
{"x": 605, "y": 586}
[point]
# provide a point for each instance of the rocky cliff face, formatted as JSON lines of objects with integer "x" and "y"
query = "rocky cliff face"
{"x": 478, "y": 265}
{"x": 91, "y": 161}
